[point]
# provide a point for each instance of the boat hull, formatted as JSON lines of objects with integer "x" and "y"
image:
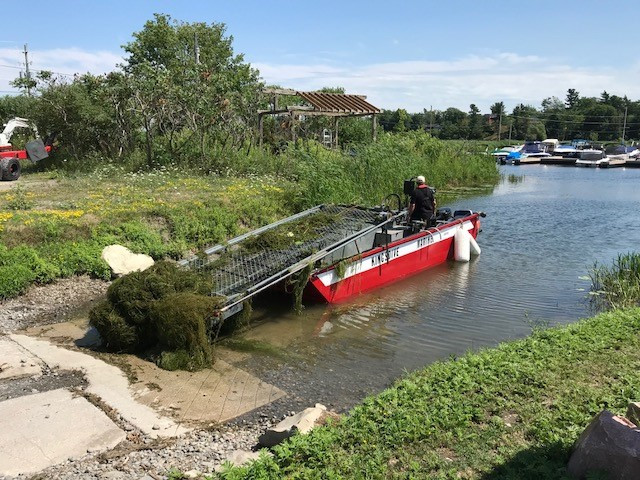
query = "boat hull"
{"x": 383, "y": 265}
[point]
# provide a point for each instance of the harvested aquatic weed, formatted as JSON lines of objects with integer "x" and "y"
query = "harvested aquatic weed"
{"x": 164, "y": 308}
{"x": 289, "y": 234}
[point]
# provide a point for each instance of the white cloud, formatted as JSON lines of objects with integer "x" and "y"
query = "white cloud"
{"x": 61, "y": 60}
{"x": 482, "y": 80}
{"x": 414, "y": 85}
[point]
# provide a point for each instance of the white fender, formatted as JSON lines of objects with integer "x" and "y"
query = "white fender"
{"x": 461, "y": 246}
{"x": 475, "y": 248}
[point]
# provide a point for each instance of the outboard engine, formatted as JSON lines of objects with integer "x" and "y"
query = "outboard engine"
{"x": 409, "y": 186}
{"x": 461, "y": 214}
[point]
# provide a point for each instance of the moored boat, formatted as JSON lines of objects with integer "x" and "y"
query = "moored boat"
{"x": 591, "y": 158}
{"x": 407, "y": 252}
{"x": 335, "y": 252}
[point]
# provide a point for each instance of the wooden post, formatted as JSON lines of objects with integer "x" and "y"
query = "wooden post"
{"x": 374, "y": 133}
{"x": 293, "y": 128}
{"x": 260, "y": 126}
{"x": 335, "y": 129}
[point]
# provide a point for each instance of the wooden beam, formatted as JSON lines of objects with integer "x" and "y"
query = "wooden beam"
{"x": 260, "y": 127}
{"x": 279, "y": 91}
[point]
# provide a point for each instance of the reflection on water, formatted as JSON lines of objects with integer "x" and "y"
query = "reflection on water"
{"x": 541, "y": 235}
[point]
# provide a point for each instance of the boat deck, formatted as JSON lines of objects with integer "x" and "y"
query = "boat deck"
{"x": 613, "y": 163}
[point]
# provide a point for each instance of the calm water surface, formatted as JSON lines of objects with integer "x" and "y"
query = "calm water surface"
{"x": 539, "y": 240}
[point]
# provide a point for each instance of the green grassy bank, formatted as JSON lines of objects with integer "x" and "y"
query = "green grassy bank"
{"x": 55, "y": 223}
{"x": 510, "y": 412}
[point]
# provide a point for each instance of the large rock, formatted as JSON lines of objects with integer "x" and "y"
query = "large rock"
{"x": 301, "y": 422}
{"x": 123, "y": 261}
{"x": 609, "y": 444}
{"x": 240, "y": 457}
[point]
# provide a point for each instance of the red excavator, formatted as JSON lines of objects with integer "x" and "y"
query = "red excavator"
{"x": 34, "y": 150}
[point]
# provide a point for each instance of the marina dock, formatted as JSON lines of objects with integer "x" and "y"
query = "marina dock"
{"x": 557, "y": 160}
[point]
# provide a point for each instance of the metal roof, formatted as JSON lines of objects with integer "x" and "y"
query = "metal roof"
{"x": 339, "y": 103}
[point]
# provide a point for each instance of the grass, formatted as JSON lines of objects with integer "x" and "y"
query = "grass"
{"x": 618, "y": 285}
{"x": 55, "y": 224}
{"x": 510, "y": 412}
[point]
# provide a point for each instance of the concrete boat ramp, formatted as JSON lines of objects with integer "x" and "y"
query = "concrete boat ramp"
{"x": 58, "y": 402}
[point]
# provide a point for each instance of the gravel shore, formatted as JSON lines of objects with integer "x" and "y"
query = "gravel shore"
{"x": 46, "y": 304}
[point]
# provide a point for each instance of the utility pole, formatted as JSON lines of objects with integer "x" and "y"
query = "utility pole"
{"x": 431, "y": 120}
{"x": 500, "y": 125}
{"x": 624, "y": 128}
{"x": 26, "y": 68}
{"x": 197, "y": 48}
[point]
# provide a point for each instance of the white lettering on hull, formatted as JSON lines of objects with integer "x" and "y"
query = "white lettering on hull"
{"x": 364, "y": 264}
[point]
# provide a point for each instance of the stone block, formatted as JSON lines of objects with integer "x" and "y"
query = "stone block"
{"x": 301, "y": 422}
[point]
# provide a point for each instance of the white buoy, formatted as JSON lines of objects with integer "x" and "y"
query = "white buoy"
{"x": 461, "y": 246}
{"x": 475, "y": 248}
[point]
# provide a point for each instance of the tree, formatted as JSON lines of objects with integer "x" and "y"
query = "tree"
{"x": 475, "y": 122}
{"x": 453, "y": 124}
{"x": 188, "y": 98}
{"x": 572, "y": 99}
{"x": 556, "y": 121}
{"x": 497, "y": 112}
{"x": 526, "y": 124}
{"x": 402, "y": 121}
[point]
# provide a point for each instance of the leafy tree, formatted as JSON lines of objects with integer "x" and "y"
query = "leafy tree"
{"x": 526, "y": 124}
{"x": 189, "y": 99}
{"x": 402, "y": 121}
{"x": 453, "y": 124}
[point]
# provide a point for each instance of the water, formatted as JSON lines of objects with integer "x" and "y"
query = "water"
{"x": 540, "y": 238}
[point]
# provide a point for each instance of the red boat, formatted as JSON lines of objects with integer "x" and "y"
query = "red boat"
{"x": 387, "y": 263}
{"x": 353, "y": 250}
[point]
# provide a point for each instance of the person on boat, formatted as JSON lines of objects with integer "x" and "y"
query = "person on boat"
{"x": 423, "y": 202}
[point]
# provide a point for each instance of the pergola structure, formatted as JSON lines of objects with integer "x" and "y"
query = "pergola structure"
{"x": 334, "y": 105}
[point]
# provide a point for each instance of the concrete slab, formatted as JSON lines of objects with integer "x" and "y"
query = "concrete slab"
{"x": 15, "y": 361}
{"x": 44, "y": 429}
{"x": 107, "y": 382}
{"x": 213, "y": 395}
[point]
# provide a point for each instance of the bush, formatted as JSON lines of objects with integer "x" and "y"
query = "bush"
{"x": 14, "y": 280}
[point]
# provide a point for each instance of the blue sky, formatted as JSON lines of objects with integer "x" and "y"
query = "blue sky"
{"x": 410, "y": 54}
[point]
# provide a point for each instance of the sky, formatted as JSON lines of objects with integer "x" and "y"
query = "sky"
{"x": 401, "y": 54}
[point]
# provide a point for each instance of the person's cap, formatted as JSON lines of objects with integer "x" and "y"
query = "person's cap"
{"x": 420, "y": 179}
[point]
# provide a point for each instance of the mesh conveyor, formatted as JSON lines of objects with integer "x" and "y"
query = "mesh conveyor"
{"x": 238, "y": 274}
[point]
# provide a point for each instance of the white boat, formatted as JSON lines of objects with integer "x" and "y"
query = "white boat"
{"x": 566, "y": 150}
{"x": 590, "y": 157}
{"x": 534, "y": 150}
{"x": 501, "y": 153}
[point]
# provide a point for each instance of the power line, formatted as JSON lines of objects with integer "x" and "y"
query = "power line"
{"x": 36, "y": 70}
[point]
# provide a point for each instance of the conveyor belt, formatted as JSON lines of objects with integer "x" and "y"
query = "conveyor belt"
{"x": 237, "y": 274}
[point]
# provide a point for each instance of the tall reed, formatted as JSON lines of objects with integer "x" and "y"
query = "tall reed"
{"x": 618, "y": 285}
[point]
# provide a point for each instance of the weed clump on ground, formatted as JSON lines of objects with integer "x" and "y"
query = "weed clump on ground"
{"x": 163, "y": 308}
